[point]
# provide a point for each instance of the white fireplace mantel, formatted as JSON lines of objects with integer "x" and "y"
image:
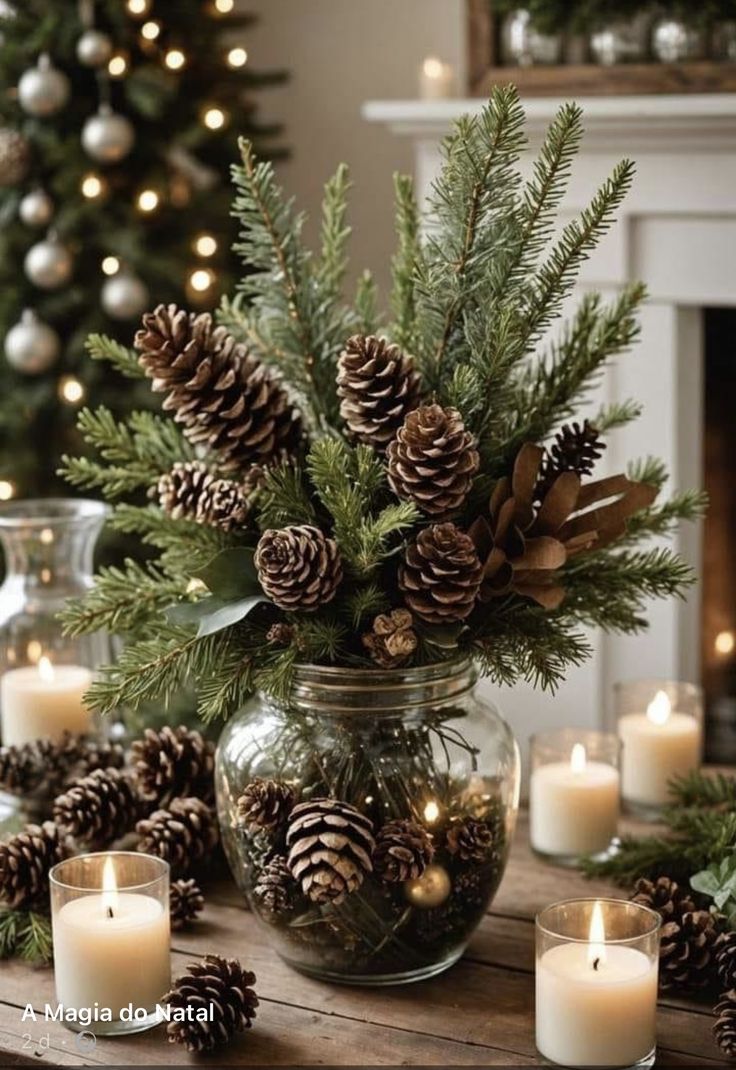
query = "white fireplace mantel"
{"x": 677, "y": 232}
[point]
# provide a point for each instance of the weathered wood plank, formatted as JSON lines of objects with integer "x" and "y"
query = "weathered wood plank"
{"x": 591, "y": 79}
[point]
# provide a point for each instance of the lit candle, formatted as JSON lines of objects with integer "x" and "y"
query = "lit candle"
{"x": 436, "y": 80}
{"x": 573, "y": 806}
{"x": 596, "y": 995}
{"x": 43, "y": 701}
{"x": 657, "y": 746}
{"x": 111, "y": 946}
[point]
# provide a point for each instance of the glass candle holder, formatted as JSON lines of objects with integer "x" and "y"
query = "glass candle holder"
{"x": 574, "y": 793}
{"x": 660, "y": 724}
{"x": 111, "y": 933}
{"x": 596, "y": 983}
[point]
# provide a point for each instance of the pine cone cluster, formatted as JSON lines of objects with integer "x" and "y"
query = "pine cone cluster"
{"x": 221, "y": 985}
{"x": 726, "y": 961}
{"x": 225, "y": 399}
{"x": 25, "y": 861}
{"x": 173, "y": 763}
{"x": 432, "y": 460}
{"x": 330, "y": 845}
{"x": 575, "y": 449}
{"x": 45, "y": 767}
{"x": 441, "y": 575}
{"x": 725, "y": 1025}
{"x": 377, "y": 385}
{"x": 299, "y": 567}
{"x": 183, "y": 834}
{"x": 275, "y": 887}
{"x": 403, "y": 851}
{"x": 99, "y": 808}
{"x": 391, "y": 640}
{"x": 470, "y": 840}
{"x": 191, "y": 492}
{"x": 186, "y": 902}
{"x": 266, "y": 804}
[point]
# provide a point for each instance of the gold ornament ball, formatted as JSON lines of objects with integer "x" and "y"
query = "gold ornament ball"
{"x": 430, "y": 890}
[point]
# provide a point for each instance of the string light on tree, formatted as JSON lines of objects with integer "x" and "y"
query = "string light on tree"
{"x": 200, "y": 282}
{"x": 214, "y": 118}
{"x": 110, "y": 265}
{"x": 148, "y": 200}
{"x": 70, "y": 390}
{"x": 118, "y": 65}
{"x": 175, "y": 59}
{"x": 139, "y": 8}
{"x": 237, "y": 57}
{"x": 224, "y": 7}
{"x": 92, "y": 186}
{"x": 7, "y": 490}
{"x": 150, "y": 30}
{"x": 205, "y": 245}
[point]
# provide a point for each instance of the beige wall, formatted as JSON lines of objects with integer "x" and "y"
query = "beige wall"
{"x": 341, "y": 53}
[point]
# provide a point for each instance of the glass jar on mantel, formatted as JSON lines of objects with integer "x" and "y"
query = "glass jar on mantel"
{"x": 353, "y": 752}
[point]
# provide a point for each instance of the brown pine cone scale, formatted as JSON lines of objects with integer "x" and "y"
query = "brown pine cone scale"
{"x": 470, "y": 840}
{"x": 377, "y": 385}
{"x": 299, "y": 567}
{"x": 99, "y": 808}
{"x": 184, "y": 834}
{"x": 275, "y": 889}
{"x": 191, "y": 492}
{"x": 186, "y": 902}
{"x": 725, "y": 1025}
{"x": 441, "y": 575}
{"x": 432, "y": 460}
{"x": 225, "y": 989}
{"x": 266, "y": 804}
{"x": 173, "y": 763}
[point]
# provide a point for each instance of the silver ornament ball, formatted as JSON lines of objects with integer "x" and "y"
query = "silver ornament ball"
{"x": 107, "y": 136}
{"x": 48, "y": 264}
{"x": 31, "y": 346}
{"x": 15, "y": 155}
{"x": 36, "y": 208}
{"x": 43, "y": 89}
{"x": 124, "y": 296}
{"x": 94, "y": 48}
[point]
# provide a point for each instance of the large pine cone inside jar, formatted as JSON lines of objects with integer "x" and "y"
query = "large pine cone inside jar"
{"x": 377, "y": 385}
{"x": 330, "y": 845}
{"x": 441, "y": 575}
{"x": 432, "y": 460}
{"x": 299, "y": 567}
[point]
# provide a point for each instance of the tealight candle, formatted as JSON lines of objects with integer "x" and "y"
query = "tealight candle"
{"x": 596, "y": 983}
{"x": 43, "y": 701}
{"x": 436, "y": 80}
{"x": 110, "y": 920}
{"x": 574, "y": 792}
{"x": 659, "y": 725}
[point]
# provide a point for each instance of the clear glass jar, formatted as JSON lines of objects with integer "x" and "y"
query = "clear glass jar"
{"x": 415, "y": 744}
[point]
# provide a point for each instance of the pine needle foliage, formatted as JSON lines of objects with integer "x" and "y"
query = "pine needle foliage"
{"x": 27, "y": 934}
{"x": 476, "y": 285}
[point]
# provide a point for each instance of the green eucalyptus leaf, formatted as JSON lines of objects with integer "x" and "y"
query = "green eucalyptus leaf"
{"x": 212, "y": 614}
{"x": 718, "y": 881}
{"x": 231, "y": 574}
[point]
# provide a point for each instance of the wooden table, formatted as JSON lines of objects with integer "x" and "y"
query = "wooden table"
{"x": 479, "y": 1013}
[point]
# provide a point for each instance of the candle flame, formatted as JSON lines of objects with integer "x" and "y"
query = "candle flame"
{"x": 45, "y": 669}
{"x": 597, "y": 938}
{"x": 433, "y": 67}
{"x": 109, "y": 888}
{"x": 660, "y": 708}
{"x": 578, "y": 759}
{"x": 431, "y": 812}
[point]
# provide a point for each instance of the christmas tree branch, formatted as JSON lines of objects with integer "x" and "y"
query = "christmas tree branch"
{"x": 122, "y": 600}
{"x": 405, "y": 263}
{"x": 123, "y": 360}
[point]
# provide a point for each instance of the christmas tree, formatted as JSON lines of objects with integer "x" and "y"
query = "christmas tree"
{"x": 118, "y": 123}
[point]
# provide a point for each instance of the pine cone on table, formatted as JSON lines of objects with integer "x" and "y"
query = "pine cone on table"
{"x": 724, "y": 1029}
{"x": 191, "y": 492}
{"x": 99, "y": 808}
{"x": 330, "y": 845}
{"x": 172, "y": 763}
{"x": 266, "y": 804}
{"x": 25, "y": 861}
{"x": 726, "y": 961}
{"x": 221, "y": 985}
{"x": 664, "y": 896}
{"x": 471, "y": 840}
{"x": 44, "y": 767}
{"x": 441, "y": 575}
{"x": 21, "y": 770}
{"x": 690, "y": 939}
{"x": 299, "y": 567}
{"x": 403, "y": 851}
{"x": 377, "y": 385}
{"x": 223, "y": 396}
{"x": 275, "y": 887}
{"x": 182, "y": 835}
{"x": 186, "y": 902}
{"x": 575, "y": 449}
{"x": 432, "y": 460}
{"x": 391, "y": 640}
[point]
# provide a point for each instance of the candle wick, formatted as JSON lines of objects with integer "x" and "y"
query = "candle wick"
{"x": 109, "y": 914}
{"x": 595, "y": 963}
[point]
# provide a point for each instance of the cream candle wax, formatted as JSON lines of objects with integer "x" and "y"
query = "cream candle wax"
{"x": 43, "y": 701}
{"x": 658, "y": 744}
{"x": 436, "y": 80}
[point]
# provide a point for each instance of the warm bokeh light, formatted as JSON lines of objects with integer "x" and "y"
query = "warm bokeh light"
{"x": 7, "y": 490}
{"x": 47, "y": 536}
{"x": 214, "y": 118}
{"x": 34, "y": 651}
{"x": 111, "y": 265}
{"x": 148, "y": 200}
{"x": 201, "y": 279}
{"x": 150, "y": 30}
{"x": 70, "y": 390}
{"x": 205, "y": 245}
{"x": 138, "y": 7}
{"x": 117, "y": 65}
{"x": 237, "y": 57}
{"x": 175, "y": 59}
{"x": 92, "y": 186}
{"x": 433, "y": 67}
{"x": 725, "y": 643}
{"x": 431, "y": 812}
{"x": 224, "y": 7}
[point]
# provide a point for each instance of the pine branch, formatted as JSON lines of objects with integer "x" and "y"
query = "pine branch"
{"x": 124, "y": 360}
{"x": 283, "y": 499}
{"x": 366, "y": 305}
{"x": 664, "y": 520}
{"x": 27, "y": 934}
{"x": 332, "y": 264}
{"x": 364, "y": 603}
{"x": 122, "y": 600}
{"x": 617, "y": 414}
{"x": 404, "y": 264}
{"x": 186, "y": 545}
{"x": 704, "y": 789}
{"x": 649, "y": 470}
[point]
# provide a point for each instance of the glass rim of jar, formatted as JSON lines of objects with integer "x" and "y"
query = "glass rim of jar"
{"x": 655, "y": 921}
{"x": 549, "y": 736}
{"x": 163, "y": 867}
{"x": 660, "y": 683}
{"x": 433, "y": 669}
{"x": 25, "y": 513}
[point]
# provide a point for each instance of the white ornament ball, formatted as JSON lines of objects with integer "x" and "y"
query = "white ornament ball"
{"x": 94, "y": 48}
{"x": 48, "y": 264}
{"x": 31, "y": 346}
{"x": 124, "y": 296}
{"x": 107, "y": 136}
{"x": 36, "y": 208}
{"x": 43, "y": 89}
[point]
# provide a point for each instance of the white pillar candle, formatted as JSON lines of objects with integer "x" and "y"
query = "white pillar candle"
{"x": 436, "y": 80}
{"x": 595, "y": 1002}
{"x": 657, "y": 746}
{"x": 43, "y": 701}
{"x": 573, "y": 806}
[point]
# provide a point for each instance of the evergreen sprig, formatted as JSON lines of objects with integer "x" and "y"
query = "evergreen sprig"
{"x": 27, "y": 934}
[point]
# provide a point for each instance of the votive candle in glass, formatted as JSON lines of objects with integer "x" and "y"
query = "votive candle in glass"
{"x": 596, "y": 983}
{"x": 660, "y": 724}
{"x": 110, "y": 919}
{"x": 574, "y": 793}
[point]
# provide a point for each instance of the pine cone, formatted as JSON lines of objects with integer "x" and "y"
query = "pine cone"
{"x": 688, "y": 949}
{"x": 432, "y": 460}
{"x": 185, "y": 902}
{"x": 275, "y": 888}
{"x": 21, "y": 769}
{"x": 266, "y": 804}
{"x": 280, "y": 634}
{"x": 298, "y": 567}
{"x": 225, "y": 988}
{"x": 98, "y": 808}
{"x": 183, "y": 834}
{"x": 391, "y": 640}
{"x": 25, "y": 861}
{"x": 44, "y": 767}
{"x": 377, "y": 385}
{"x": 726, "y": 961}
{"x": 575, "y": 449}
{"x": 724, "y": 1029}
{"x": 330, "y": 847}
{"x": 471, "y": 840}
{"x": 441, "y": 575}
{"x": 225, "y": 398}
{"x": 403, "y": 851}
{"x": 191, "y": 492}
{"x": 173, "y": 763}
{"x": 664, "y": 896}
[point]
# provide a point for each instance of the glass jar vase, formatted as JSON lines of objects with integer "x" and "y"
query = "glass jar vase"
{"x": 368, "y": 818}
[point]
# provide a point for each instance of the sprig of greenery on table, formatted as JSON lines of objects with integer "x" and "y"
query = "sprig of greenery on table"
{"x": 27, "y": 934}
